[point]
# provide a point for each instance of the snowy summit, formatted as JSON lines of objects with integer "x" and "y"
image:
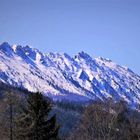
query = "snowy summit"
{"x": 60, "y": 76}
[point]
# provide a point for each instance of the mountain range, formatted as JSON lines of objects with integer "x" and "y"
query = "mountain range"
{"x": 62, "y": 77}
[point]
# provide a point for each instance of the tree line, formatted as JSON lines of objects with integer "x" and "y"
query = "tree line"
{"x": 29, "y": 117}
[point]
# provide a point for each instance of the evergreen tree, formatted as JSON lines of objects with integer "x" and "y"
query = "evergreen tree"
{"x": 35, "y": 122}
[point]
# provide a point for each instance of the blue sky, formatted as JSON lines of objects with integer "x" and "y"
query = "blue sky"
{"x": 107, "y": 28}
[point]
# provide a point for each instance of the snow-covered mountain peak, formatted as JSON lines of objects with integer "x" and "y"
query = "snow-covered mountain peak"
{"x": 6, "y": 48}
{"x": 62, "y": 77}
{"x": 14, "y": 47}
{"x": 50, "y": 54}
{"x": 34, "y": 54}
{"x": 103, "y": 59}
{"x": 6, "y": 44}
{"x": 106, "y": 62}
{"x": 82, "y": 55}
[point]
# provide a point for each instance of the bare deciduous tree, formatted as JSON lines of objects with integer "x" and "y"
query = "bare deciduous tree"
{"x": 107, "y": 121}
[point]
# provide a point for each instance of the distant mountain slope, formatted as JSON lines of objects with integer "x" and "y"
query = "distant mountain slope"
{"x": 62, "y": 77}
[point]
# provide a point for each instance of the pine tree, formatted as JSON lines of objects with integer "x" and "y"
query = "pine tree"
{"x": 35, "y": 122}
